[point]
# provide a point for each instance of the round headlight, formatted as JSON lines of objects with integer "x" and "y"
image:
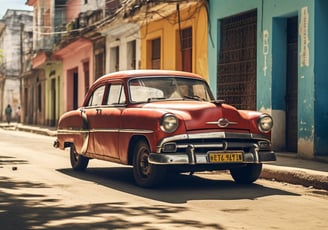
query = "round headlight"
{"x": 265, "y": 123}
{"x": 169, "y": 123}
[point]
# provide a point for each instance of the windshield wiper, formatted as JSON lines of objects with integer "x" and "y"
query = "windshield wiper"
{"x": 196, "y": 98}
{"x": 218, "y": 101}
{"x": 155, "y": 99}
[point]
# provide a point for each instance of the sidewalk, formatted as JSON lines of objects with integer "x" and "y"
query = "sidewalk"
{"x": 291, "y": 169}
{"x": 288, "y": 168}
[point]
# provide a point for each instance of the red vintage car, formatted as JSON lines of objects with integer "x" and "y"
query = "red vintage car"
{"x": 162, "y": 121}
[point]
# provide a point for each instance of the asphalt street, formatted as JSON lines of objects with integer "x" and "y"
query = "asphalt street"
{"x": 288, "y": 168}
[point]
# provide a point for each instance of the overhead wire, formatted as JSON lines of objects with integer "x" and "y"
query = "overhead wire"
{"x": 125, "y": 5}
{"x": 102, "y": 21}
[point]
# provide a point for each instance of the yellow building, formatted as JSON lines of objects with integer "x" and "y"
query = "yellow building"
{"x": 175, "y": 37}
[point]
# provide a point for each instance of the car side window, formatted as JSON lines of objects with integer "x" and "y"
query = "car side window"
{"x": 116, "y": 95}
{"x": 97, "y": 96}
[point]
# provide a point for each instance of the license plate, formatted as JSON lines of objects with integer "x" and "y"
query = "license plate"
{"x": 225, "y": 157}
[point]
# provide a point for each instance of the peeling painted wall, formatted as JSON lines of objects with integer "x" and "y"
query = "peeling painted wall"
{"x": 321, "y": 79}
{"x": 17, "y": 23}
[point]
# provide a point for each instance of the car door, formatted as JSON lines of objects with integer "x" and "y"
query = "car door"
{"x": 105, "y": 122}
{"x": 89, "y": 114}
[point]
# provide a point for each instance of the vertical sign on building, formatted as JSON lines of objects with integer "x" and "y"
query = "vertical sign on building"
{"x": 265, "y": 50}
{"x": 304, "y": 34}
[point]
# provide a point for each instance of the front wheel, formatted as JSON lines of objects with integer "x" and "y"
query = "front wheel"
{"x": 246, "y": 174}
{"x": 146, "y": 174}
{"x": 78, "y": 162}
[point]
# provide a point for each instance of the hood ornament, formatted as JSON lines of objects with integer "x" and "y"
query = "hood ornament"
{"x": 222, "y": 123}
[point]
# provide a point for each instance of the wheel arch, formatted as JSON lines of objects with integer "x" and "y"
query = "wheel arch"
{"x": 68, "y": 144}
{"x": 133, "y": 141}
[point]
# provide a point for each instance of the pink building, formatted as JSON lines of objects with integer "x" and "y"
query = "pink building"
{"x": 77, "y": 60}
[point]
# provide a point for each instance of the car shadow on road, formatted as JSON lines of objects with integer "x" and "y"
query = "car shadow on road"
{"x": 178, "y": 188}
{"x": 34, "y": 209}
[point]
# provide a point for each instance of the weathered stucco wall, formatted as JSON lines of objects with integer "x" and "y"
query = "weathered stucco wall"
{"x": 73, "y": 56}
{"x": 321, "y": 78}
{"x": 167, "y": 29}
{"x": 17, "y": 24}
{"x": 271, "y": 64}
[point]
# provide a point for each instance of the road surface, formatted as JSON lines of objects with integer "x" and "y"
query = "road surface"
{"x": 39, "y": 190}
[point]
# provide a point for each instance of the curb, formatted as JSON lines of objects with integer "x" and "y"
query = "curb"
{"x": 31, "y": 129}
{"x": 298, "y": 176}
{"x": 37, "y": 130}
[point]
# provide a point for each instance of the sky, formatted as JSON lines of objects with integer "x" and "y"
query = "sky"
{"x": 13, "y": 5}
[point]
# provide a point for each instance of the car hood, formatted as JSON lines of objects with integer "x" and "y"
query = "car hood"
{"x": 204, "y": 115}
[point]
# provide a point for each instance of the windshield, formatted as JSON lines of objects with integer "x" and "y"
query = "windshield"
{"x": 168, "y": 88}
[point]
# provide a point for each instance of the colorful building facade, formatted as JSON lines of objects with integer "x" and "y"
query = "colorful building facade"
{"x": 41, "y": 87}
{"x": 279, "y": 50}
{"x": 15, "y": 37}
{"x": 177, "y": 40}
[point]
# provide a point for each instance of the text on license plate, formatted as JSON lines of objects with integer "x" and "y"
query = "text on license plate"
{"x": 216, "y": 157}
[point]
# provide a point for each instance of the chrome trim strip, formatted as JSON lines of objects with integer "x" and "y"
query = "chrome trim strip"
{"x": 221, "y": 135}
{"x": 71, "y": 131}
{"x": 81, "y": 131}
{"x": 227, "y": 135}
{"x": 136, "y": 131}
{"x": 104, "y": 130}
{"x": 211, "y": 135}
{"x": 210, "y": 145}
{"x": 207, "y": 135}
{"x": 174, "y": 138}
{"x": 222, "y": 122}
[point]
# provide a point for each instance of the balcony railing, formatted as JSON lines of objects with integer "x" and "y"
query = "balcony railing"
{"x": 44, "y": 43}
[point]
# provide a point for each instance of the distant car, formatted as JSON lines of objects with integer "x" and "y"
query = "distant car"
{"x": 164, "y": 121}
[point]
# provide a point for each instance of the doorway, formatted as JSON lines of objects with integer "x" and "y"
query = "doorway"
{"x": 292, "y": 85}
{"x": 53, "y": 102}
{"x": 236, "y": 80}
{"x": 72, "y": 89}
{"x": 75, "y": 90}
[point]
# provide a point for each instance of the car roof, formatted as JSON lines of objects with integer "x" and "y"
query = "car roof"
{"x": 124, "y": 75}
{"x": 127, "y": 74}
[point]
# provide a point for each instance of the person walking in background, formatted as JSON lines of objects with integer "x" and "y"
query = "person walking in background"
{"x": 18, "y": 114}
{"x": 8, "y": 112}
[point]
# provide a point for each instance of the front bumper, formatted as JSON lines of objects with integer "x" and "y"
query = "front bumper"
{"x": 194, "y": 149}
{"x": 192, "y": 158}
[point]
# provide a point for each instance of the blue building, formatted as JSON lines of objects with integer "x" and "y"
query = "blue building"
{"x": 270, "y": 55}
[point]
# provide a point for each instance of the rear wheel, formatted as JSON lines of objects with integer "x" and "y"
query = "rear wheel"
{"x": 78, "y": 162}
{"x": 246, "y": 174}
{"x": 146, "y": 174}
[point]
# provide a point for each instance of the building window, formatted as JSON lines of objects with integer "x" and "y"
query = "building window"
{"x": 131, "y": 54}
{"x": 99, "y": 62}
{"x": 99, "y": 50}
{"x": 115, "y": 59}
{"x": 156, "y": 53}
{"x": 86, "y": 76}
{"x": 186, "y": 49}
